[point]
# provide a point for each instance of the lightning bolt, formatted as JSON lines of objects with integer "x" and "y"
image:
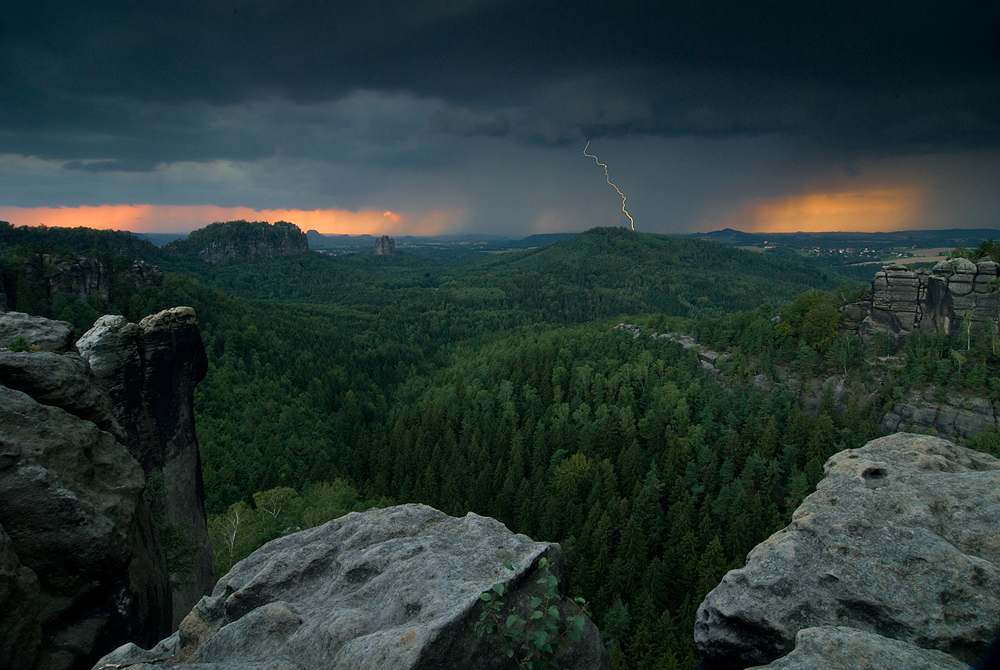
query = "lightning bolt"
{"x": 608, "y": 177}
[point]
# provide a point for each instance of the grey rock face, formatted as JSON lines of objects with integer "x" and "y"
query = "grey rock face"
{"x": 904, "y": 300}
{"x": 900, "y": 539}
{"x": 955, "y": 416}
{"x": 43, "y": 334}
{"x": 80, "y": 277}
{"x": 385, "y": 246}
{"x": 150, "y": 370}
{"x": 80, "y": 568}
{"x": 60, "y": 380}
{"x": 838, "y": 648}
{"x": 288, "y": 241}
{"x": 145, "y": 274}
{"x": 388, "y": 589}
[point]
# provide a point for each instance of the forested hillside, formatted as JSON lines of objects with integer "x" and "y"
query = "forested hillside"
{"x": 503, "y": 387}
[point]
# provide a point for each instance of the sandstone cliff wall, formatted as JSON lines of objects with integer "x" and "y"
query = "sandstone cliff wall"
{"x": 940, "y": 299}
{"x": 150, "y": 370}
{"x": 246, "y": 242}
{"x": 81, "y": 568}
{"x": 385, "y": 246}
{"x": 84, "y": 275}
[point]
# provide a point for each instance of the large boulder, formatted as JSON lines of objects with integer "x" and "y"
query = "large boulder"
{"x": 41, "y": 334}
{"x": 901, "y": 539}
{"x": 81, "y": 569}
{"x": 388, "y": 589}
{"x": 150, "y": 370}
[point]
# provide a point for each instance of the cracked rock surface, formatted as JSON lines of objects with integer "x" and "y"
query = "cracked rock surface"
{"x": 901, "y": 539}
{"x": 80, "y": 567}
{"x": 385, "y": 589}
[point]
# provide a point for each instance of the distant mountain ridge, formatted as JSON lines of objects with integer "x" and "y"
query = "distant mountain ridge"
{"x": 951, "y": 237}
{"x": 319, "y": 240}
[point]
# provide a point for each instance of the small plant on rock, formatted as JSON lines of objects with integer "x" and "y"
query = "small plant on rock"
{"x": 19, "y": 343}
{"x": 532, "y": 640}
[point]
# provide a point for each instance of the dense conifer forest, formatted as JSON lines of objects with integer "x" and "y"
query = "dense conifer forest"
{"x": 501, "y": 385}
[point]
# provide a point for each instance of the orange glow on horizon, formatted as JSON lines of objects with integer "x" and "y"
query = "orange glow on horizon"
{"x": 185, "y": 218}
{"x": 882, "y": 210}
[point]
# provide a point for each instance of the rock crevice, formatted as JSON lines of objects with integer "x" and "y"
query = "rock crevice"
{"x": 954, "y": 296}
{"x": 150, "y": 370}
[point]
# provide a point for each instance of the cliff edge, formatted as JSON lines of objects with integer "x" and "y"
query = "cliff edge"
{"x": 897, "y": 553}
{"x": 81, "y": 567}
{"x": 150, "y": 370}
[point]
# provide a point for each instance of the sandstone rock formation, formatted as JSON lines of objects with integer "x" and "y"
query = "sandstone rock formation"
{"x": 901, "y": 540}
{"x": 385, "y": 246}
{"x": 224, "y": 242}
{"x": 82, "y": 276}
{"x": 41, "y": 334}
{"x": 956, "y": 415}
{"x": 940, "y": 299}
{"x": 385, "y": 589}
{"x": 150, "y": 370}
{"x": 79, "y": 277}
{"x": 80, "y": 566}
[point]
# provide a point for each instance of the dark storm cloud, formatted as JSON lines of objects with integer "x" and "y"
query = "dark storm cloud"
{"x": 140, "y": 83}
{"x": 467, "y": 123}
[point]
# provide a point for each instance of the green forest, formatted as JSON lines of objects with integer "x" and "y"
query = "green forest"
{"x": 500, "y": 384}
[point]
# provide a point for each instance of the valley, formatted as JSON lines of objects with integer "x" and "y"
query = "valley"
{"x": 499, "y": 384}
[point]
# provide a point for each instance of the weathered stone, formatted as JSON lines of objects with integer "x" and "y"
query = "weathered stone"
{"x": 224, "y": 242}
{"x": 988, "y": 268}
{"x": 20, "y": 621}
{"x": 43, "y": 334}
{"x": 145, "y": 274}
{"x": 954, "y": 293}
{"x": 385, "y": 589}
{"x": 901, "y": 539}
{"x": 82, "y": 535}
{"x": 839, "y": 648}
{"x": 80, "y": 277}
{"x": 956, "y": 416}
{"x": 60, "y": 380}
{"x": 963, "y": 266}
{"x": 385, "y": 246}
{"x": 150, "y": 371}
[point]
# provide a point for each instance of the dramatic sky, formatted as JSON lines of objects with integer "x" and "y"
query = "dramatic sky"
{"x": 454, "y": 116}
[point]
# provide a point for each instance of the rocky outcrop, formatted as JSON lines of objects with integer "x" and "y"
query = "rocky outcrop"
{"x": 224, "y": 242}
{"x": 391, "y": 589}
{"x": 84, "y": 276}
{"x": 150, "y": 370}
{"x": 80, "y": 566}
{"x": 954, "y": 416}
{"x": 40, "y": 334}
{"x": 900, "y": 540}
{"x": 79, "y": 277}
{"x": 952, "y": 293}
{"x": 385, "y": 246}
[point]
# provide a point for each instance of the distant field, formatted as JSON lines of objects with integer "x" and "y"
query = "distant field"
{"x": 929, "y": 255}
